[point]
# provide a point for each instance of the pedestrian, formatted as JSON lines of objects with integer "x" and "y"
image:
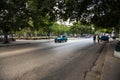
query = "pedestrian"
{"x": 98, "y": 38}
{"x": 94, "y": 38}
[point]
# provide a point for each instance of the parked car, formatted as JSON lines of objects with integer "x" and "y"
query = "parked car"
{"x": 61, "y": 38}
{"x": 104, "y": 38}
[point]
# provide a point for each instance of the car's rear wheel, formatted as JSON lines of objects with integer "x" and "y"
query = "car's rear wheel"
{"x": 55, "y": 41}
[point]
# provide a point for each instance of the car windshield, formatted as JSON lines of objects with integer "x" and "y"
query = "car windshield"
{"x": 60, "y": 36}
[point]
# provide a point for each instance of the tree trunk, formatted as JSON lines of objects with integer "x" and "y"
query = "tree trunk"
{"x": 119, "y": 34}
{"x": 116, "y": 33}
{"x": 48, "y": 34}
{"x": 6, "y": 40}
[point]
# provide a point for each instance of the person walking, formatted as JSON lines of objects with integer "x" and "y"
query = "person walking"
{"x": 98, "y": 38}
{"x": 94, "y": 38}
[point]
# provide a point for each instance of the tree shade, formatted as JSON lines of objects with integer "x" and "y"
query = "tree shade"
{"x": 104, "y": 13}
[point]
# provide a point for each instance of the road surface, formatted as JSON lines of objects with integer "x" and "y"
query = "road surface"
{"x": 48, "y": 60}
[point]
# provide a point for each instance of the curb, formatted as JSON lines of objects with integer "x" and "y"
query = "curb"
{"x": 96, "y": 70}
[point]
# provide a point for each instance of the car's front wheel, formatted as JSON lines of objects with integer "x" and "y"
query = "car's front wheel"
{"x": 65, "y": 40}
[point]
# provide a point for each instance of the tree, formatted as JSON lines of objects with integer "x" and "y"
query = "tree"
{"x": 47, "y": 25}
{"x": 12, "y": 16}
{"x": 102, "y": 13}
{"x": 60, "y": 29}
{"x": 40, "y": 10}
{"x": 78, "y": 28}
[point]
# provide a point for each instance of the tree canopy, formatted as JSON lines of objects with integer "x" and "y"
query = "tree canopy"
{"x": 12, "y": 15}
{"x": 78, "y": 28}
{"x": 103, "y": 13}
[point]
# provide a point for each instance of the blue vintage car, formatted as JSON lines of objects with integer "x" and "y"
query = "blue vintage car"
{"x": 61, "y": 38}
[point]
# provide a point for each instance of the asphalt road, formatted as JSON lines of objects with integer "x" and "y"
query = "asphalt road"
{"x": 48, "y": 60}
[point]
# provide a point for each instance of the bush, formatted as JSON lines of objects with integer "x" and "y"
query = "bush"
{"x": 117, "y": 47}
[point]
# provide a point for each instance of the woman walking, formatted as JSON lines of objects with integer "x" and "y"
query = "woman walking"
{"x": 94, "y": 38}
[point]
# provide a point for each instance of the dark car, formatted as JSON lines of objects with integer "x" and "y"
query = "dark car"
{"x": 61, "y": 38}
{"x": 104, "y": 38}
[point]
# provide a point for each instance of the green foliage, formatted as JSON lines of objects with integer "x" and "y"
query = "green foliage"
{"x": 12, "y": 16}
{"x": 41, "y": 15}
{"x": 105, "y": 30}
{"x": 12, "y": 12}
{"x": 102, "y": 13}
{"x": 60, "y": 29}
{"x": 78, "y": 28}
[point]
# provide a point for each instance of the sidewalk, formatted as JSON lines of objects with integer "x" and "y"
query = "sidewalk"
{"x": 111, "y": 69}
{"x": 13, "y": 43}
{"x": 23, "y": 42}
{"x": 106, "y": 67}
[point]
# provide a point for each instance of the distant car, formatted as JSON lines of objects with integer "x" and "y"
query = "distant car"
{"x": 61, "y": 38}
{"x": 88, "y": 36}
